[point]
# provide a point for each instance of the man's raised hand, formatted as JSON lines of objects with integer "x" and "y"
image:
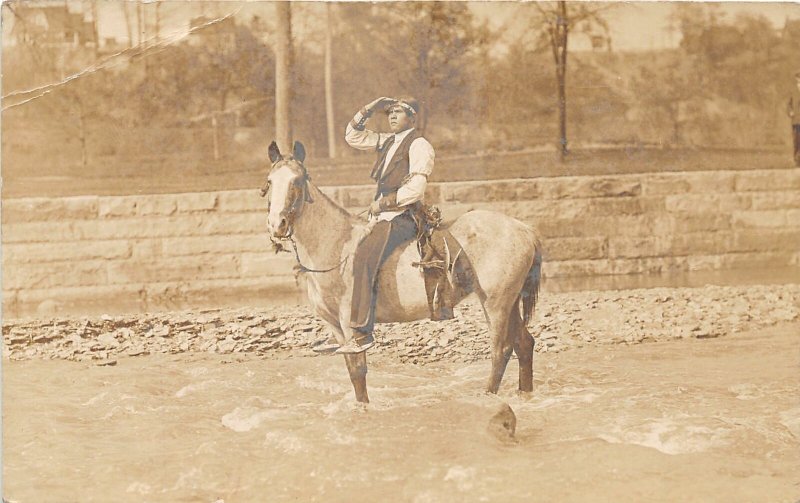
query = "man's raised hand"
{"x": 379, "y": 103}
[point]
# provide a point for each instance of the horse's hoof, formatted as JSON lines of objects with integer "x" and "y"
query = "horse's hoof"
{"x": 355, "y": 347}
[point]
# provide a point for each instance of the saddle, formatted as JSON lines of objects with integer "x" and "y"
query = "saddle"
{"x": 444, "y": 265}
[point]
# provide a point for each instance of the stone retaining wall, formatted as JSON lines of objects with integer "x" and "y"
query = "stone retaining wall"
{"x": 173, "y": 251}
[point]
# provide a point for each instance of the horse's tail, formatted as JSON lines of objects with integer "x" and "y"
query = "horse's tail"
{"x": 530, "y": 289}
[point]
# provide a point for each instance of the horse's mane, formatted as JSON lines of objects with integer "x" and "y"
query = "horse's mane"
{"x": 354, "y": 219}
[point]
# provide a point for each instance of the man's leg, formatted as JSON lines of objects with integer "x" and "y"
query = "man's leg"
{"x": 401, "y": 230}
{"x": 366, "y": 261}
{"x": 370, "y": 254}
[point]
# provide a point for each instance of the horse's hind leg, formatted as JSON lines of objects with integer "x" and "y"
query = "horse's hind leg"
{"x": 523, "y": 347}
{"x": 357, "y": 367}
{"x": 501, "y": 345}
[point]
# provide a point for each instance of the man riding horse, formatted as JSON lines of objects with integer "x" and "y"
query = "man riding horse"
{"x": 404, "y": 163}
{"x": 503, "y": 278}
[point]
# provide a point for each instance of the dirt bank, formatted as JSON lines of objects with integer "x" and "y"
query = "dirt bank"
{"x": 562, "y": 321}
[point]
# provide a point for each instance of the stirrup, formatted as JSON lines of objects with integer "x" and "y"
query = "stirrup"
{"x": 356, "y": 346}
{"x": 327, "y": 346}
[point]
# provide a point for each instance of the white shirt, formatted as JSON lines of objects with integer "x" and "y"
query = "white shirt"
{"x": 420, "y": 162}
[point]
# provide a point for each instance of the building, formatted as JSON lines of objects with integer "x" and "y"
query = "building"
{"x": 51, "y": 26}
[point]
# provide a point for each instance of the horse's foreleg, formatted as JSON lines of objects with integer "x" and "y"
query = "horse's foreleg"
{"x": 357, "y": 367}
{"x": 523, "y": 347}
{"x": 356, "y": 362}
{"x": 500, "y": 357}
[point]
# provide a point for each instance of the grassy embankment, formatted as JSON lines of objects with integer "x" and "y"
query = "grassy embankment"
{"x": 119, "y": 177}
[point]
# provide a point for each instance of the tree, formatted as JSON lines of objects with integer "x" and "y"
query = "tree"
{"x": 441, "y": 42}
{"x": 140, "y": 23}
{"x": 128, "y": 23}
{"x": 42, "y": 58}
{"x": 425, "y": 49}
{"x": 671, "y": 93}
{"x": 733, "y": 75}
{"x": 329, "y": 114}
{"x": 283, "y": 75}
{"x": 553, "y": 25}
{"x": 95, "y": 32}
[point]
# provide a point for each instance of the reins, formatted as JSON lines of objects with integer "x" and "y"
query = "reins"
{"x": 303, "y": 269}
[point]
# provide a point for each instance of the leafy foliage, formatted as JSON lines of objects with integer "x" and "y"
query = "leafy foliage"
{"x": 727, "y": 83}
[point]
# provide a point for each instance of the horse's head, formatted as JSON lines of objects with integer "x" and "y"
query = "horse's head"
{"x": 286, "y": 189}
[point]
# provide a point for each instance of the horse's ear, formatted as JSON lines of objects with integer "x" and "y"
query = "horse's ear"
{"x": 299, "y": 151}
{"x": 274, "y": 152}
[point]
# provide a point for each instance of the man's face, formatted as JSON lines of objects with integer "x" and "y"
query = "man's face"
{"x": 399, "y": 120}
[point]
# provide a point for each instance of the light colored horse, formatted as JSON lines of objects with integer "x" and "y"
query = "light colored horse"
{"x": 504, "y": 253}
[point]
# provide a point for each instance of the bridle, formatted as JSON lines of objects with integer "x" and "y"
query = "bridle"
{"x": 294, "y": 209}
{"x": 297, "y": 204}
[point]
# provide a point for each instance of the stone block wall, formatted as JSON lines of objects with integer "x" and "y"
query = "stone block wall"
{"x": 147, "y": 252}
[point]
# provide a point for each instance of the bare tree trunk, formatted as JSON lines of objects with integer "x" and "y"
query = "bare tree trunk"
{"x": 82, "y": 133}
{"x": 422, "y": 65}
{"x": 158, "y": 21}
{"x": 562, "y": 32}
{"x": 329, "y": 82}
{"x": 139, "y": 22}
{"x": 283, "y": 76}
{"x": 95, "y": 32}
{"x": 425, "y": 105}
{"x": 128, "y": 22}
{"x": 674, "y": 115}
{"x": 215, "y": 128}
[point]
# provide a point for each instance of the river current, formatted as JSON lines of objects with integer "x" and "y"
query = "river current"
{"x": 689, "y": 420}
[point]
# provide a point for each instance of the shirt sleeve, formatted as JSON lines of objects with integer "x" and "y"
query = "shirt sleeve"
{"x": 420, "y": 158}
{"x": 362, "y": 138}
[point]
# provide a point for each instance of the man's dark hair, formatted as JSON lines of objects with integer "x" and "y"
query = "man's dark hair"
{"x": 405, "y": 102}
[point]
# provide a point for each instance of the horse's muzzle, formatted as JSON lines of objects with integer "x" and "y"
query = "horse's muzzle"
{"x": 283, "y": 229}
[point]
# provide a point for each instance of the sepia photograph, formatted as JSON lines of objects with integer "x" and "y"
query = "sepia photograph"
{"x": 417, "y": 251}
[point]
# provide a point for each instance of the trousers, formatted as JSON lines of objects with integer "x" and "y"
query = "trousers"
{"x": 370, "y": 254}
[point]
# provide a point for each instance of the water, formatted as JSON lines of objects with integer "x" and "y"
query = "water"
{"x": 711, "y": 420}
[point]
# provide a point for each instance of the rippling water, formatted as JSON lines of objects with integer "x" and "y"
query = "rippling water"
{"x": 713, "y": 420}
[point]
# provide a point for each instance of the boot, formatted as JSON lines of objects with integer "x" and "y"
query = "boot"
{"x": 327, "y": 346}
{"x": 361, "y": 342}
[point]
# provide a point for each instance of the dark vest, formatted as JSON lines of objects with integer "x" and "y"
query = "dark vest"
{"x": 392, "y": 177}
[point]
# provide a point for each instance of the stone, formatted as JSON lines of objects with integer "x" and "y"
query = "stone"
{"x": 503, "y": 423}
{"x": 137, "y": 351}
{"x": 40, "y": 209}
{"x": 765, "y": 218}
{"x": 199, "y": 201}
{"x": 108, "y": 340}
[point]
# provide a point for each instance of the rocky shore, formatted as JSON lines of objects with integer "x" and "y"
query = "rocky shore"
{"x": 561, "y": 322}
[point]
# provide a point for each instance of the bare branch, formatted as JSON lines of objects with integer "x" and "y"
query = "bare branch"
{"x": 147, "y": 48}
